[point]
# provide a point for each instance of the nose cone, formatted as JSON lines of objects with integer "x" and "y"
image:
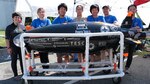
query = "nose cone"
{"x": 16, "y": 40}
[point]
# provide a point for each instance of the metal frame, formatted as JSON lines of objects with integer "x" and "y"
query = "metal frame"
{"x": 86, "y": 76}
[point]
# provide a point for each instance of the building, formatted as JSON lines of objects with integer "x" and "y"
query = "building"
{"x": 7, "y": 7}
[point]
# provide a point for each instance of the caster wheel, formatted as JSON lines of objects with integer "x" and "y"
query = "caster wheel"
{"x": 34, "y": 73}
{"x": 116, "y": 80}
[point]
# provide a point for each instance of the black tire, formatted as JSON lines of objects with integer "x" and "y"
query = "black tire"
{"x": 106, "y": 71}
{"x": 117, "y": 80}
{"x": 34, "y": 73}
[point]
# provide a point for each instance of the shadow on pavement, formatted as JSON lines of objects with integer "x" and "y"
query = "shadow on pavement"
{"x": 4, "y": 56}
{"x": 10, "y": 81}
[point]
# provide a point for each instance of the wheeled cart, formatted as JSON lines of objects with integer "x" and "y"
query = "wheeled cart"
{"x": 87, "y": 43}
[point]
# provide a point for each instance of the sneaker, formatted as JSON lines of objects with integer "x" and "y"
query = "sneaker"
{"x": 145, "y": 56}
{"x": 138, "y": 51}
{"x": 8, "y": 57}
{"x": 46, "y": 73}
{"x": 17, "y": 78}
{"x": 126, "y": 71}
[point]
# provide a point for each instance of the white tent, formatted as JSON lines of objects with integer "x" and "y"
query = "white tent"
{"x": 29, "y": 7}
{"x": 7, "y": 8}
{"x": 118, "y": 8}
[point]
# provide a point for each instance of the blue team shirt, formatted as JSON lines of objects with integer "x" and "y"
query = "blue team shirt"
{"x": 137, "y": 22}
{"x": 59, "y": 20}
{"x": 92, "y": 19}
{"x": 37, "y": 23}
{"x": 110, "y": 19}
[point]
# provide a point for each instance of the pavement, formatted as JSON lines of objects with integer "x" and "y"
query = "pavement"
{"x": 139, "y": 74}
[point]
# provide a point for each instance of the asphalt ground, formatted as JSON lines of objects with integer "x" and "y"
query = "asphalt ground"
{"x": 139, "y": 74}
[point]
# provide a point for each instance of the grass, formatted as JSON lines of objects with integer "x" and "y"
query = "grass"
{"x": 2, "y": 32}
{"x": 2, "y": 40}
{"x": 145, "y": 51}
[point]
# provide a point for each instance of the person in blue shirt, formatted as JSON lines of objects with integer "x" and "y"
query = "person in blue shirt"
{"x": 94, "y": 9}
{"x": 41, "y": 21}
{"x": 62, "y": 18}
{"x": 107, "y": 17}
{"x": 111, "y": 19}
{"x": 137, "y": 26}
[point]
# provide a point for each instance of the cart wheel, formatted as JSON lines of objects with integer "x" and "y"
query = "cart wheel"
{"x": 116, "y": 80}
{"x": 34, "y": 73}
{"x": 29, "y": 81}
{"x": 106, "y": 71}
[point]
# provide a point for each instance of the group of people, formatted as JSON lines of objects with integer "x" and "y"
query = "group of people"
{"x": 14, "y": 29}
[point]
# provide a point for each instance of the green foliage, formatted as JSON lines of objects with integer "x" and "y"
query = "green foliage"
{"x": 51, "y": 18}
{"x": 2, "y": 40}
{"x": 2, "y": 32}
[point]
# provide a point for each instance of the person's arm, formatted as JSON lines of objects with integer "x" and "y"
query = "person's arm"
{"x": 9, "y": 50}
{"x": 88, "y": 18}
{"x": 70, "y": 19}
{"x": 7, "y": 44}
{"x": 139, "y": 26}
{"x": 7, "y": 37}
{"x": 48, "y": 22}
{"x": 55, "y": 21}
{"x": 138, "y": 29}
{"x": 33, "y": 24}
{"x": 115, "y": 21}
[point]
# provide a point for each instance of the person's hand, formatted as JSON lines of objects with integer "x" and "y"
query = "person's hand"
{"x": 131, "y": 33}
{"x": 138, "y": 29}
{"x": 65, "y": 23}
{"x": 9, "y": 50}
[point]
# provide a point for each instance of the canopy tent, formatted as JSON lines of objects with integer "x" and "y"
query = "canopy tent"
{"x": 28, "y": 8}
